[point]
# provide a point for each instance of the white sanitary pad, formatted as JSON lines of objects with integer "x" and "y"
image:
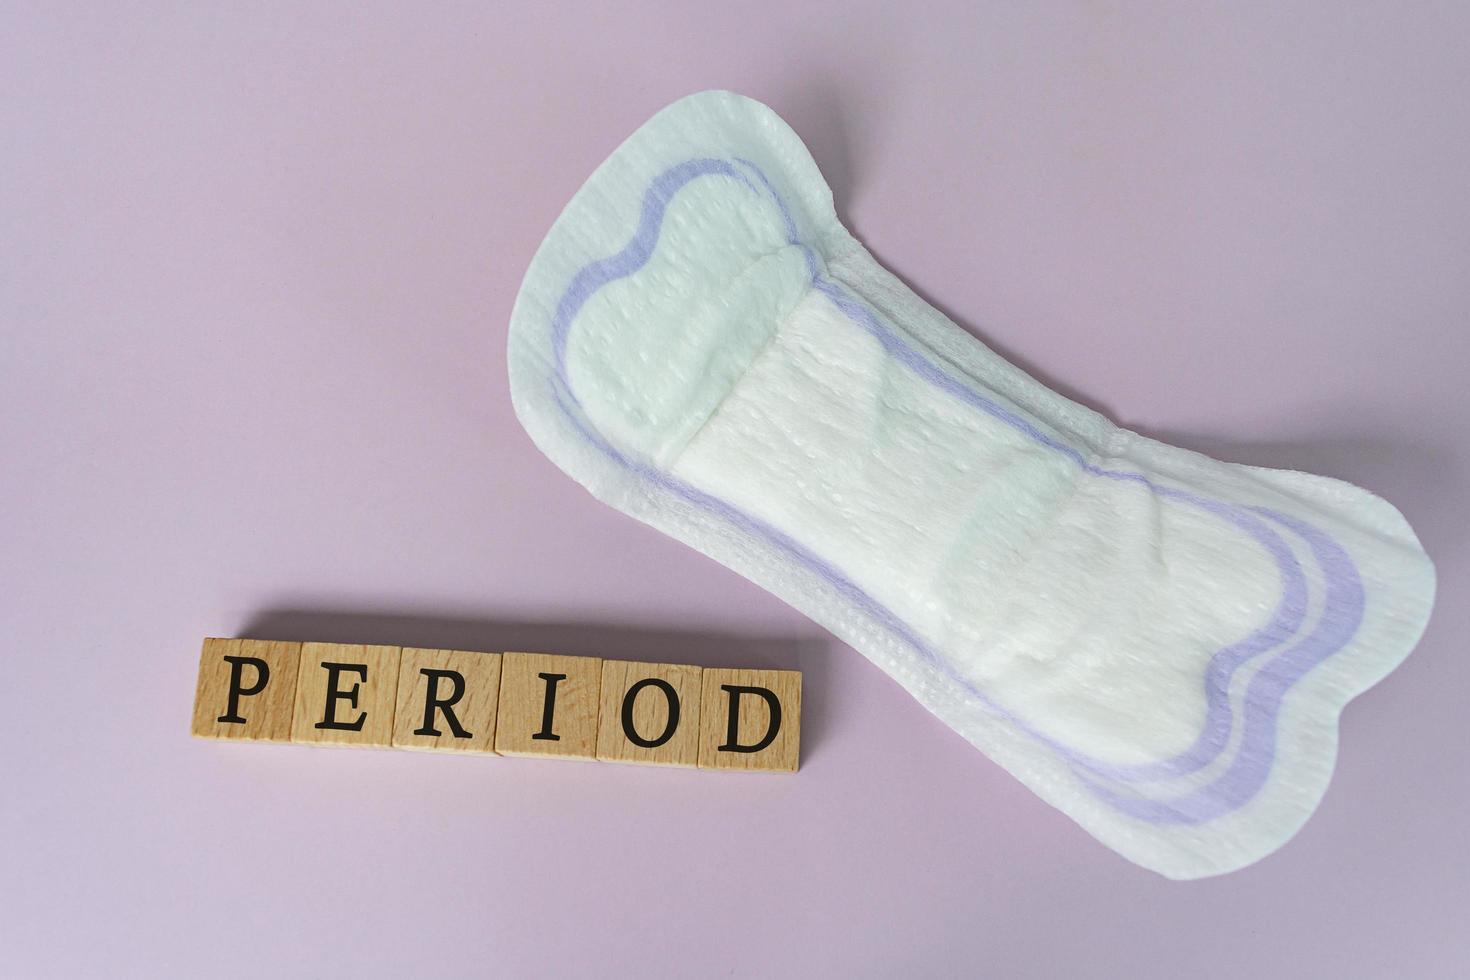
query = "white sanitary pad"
{"x": 1155, "y": 642}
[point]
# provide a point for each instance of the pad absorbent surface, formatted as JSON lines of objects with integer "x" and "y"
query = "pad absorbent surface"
{"x": 1155, "y": 642}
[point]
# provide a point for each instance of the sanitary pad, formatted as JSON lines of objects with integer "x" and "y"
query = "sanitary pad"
{"x": 1155, "y": 642}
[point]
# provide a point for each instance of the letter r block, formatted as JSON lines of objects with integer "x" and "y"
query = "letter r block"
{"x": 447, "y": 700}
{"x": 345, "y": 695}
{"x": 750, "y": 719}
{"x": 548, "y": 705}
{"x": 650, "y": 714}
{"x": 246, "y": 690}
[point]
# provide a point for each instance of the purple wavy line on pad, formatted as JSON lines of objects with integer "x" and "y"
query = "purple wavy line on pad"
{"x": 1254, "y": 757}
{"x": 593, "y": 276}
{"x": 1232, "y": 789}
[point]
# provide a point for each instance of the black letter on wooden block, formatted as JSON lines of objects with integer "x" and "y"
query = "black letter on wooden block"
{"x": 329, "y": 717}
{"x": 432, "y": 701}
{"x": 673, "y": 722}
{"x": 548, "y": 708}
{"x": 237, "y": 668}
{"x": 732, "y": 734}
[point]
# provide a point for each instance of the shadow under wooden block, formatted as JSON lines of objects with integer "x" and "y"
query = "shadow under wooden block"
{"x": 246, "y": 690}
{"x": 548, "y": 705}
{"x": 750, "y": 719}
{"x": 345, "y": 695}
{"x": 447, "y": 700}
{"x": 650, "y": 713}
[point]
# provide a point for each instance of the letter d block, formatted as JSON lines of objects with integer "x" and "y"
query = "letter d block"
{"x": 246, "y": 690}
{"x": 548, "y": 705}
{"x": 345, "y": 695}
{"x": 750, "y": 719}
{"x": 447, "y": 700}
{"x": 650, "y": 714}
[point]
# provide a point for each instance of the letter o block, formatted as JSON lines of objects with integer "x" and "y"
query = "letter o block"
{"x": 650, "y": 714}
{"x": 750, "y": 719}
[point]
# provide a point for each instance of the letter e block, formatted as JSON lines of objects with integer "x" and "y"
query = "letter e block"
{"x": 246, "y": 690}
{"x": 650, "y": 714}
{"x": 750, "y": 719}
{"x": 548, "y": 706}
{"x": 345, "y": 695}
{"x": 447, "y": 700}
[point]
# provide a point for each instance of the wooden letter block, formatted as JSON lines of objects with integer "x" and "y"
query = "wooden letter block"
{"x": 246, "y": 690}
{"x": 345, "y": 695}
{"x": 447, "y": 700}
{"x": 750, "y": 719}
{"x": 548, "y": 705}
{"x": 650, "y": 714}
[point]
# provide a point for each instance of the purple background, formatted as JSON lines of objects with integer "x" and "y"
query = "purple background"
{"x": 256, "y": 268}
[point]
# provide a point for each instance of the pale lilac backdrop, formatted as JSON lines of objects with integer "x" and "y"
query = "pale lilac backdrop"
{"x": 256, "y": 264}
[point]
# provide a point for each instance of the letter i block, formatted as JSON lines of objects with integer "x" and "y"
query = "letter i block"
{"x": 246, "y": 690}
{"x": 548, "y": 705}
{"x": 650, "y": 714}
{"x": 750, "y": 719}
{"x": 345, "y": 695}
{"x": 447, "y": 700}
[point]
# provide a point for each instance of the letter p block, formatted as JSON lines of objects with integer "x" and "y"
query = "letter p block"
{"x": 246, "y": 690}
